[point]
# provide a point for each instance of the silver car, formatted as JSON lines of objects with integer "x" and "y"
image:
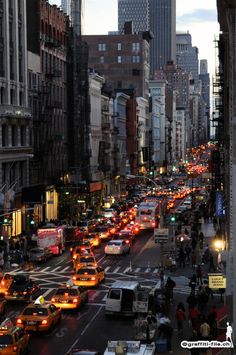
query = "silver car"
{"x": 117, "y": 247}
{"x": 39, "y": 254}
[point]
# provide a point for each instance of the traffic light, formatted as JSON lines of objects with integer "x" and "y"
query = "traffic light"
{"x": 32, "y": 222}
{"x": 6, "y": 220}
{"x": 172, "y": 218}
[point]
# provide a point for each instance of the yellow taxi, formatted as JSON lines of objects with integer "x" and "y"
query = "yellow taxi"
{"x": 2, "y": 305}
{"x": 89, "y": 276}
{"x": 81, "y": 250}
{"x": 93, "y": 239}
{"x": 84, "y": 260}
{"x": 39, "y": 316}
{"x": 69, "y": 297}
{"x": 13, "y": 340}
{"x": 6, "y": 281}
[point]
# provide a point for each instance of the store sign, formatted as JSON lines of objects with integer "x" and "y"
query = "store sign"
{"x": 219, "y": 204}
{"x": 95, "y": 186}
{"x": 217, "y": 281}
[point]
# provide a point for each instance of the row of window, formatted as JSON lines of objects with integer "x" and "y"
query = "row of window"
{"x": 14, "y": 172}
{"x": 13, "y": 97}
{"x": 135, "y": 59}
{"x": 13, "y": 135}
{"x": 102, "y": 47}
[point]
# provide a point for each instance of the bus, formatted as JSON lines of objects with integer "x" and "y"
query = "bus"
{"x": 147, "y": 215}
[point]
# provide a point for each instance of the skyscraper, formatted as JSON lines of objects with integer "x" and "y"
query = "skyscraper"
{"x": 163, "y": 26}
{"x": 75, "y": 10}
{"x": 159, "y": 16}
{"x": 66, "y": 6}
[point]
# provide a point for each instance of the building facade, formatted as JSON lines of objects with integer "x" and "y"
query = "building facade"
{"x": 204, "y": 78}
{"x": 15, "y": 115}
{"x": 135, "y": 11}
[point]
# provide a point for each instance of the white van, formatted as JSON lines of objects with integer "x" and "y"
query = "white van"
{"x": 127, "y": 298}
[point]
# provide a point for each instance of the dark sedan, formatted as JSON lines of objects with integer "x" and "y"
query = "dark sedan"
{"x": 22, "y": 289}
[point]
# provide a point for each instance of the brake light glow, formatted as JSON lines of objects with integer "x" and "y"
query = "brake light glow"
{"x": 53, "y": 299}
{"x": 19, "y": 321}
{"x": 15, "y": 348}
{"x": 44, "y": 321}
{"x": 75, "y": 300}
{"x": 153, "y": 224}
{"x": 25, "y": 293}
{"x": 3, "y": 282}
{"x": 74, "y": 278}
{"x": 127, "y": 241}
{"x": 93, "y": 278}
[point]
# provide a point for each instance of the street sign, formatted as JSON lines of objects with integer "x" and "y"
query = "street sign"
{"x": 217, "y": 281}
{"x": 161, "y": 235}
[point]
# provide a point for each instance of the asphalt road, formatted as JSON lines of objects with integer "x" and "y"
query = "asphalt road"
{"x": 90, "y": 328}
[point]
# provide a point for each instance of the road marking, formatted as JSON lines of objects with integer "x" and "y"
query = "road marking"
{"x": 56, "y": 268}
{"x": 107, "y": 268}
{"x": 104, "y": 298}
{"x": 147, "y": 270}
{"x": 46, "y": 268}
{"x": 66, "y": 268}
{"x": 116, "y": 270}
{"x": 103, "y": 257}
{"x": 127, "y": 269}
{"x": 88, "y": 324}
{"x": 155, "y": 271}
{"x": 95, "y": 304}
{"x": 137, "y": 269}
{"x": 47, "y": 292}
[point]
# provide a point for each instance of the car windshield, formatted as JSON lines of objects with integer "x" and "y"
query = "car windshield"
{"x": 63, "y": 291}
{"x": 34, "y": 311}
{"x": 19, "y": 280}
{"x": 114, "y": 243}
{"x": 36, "y": 251}
{"x": 86, "y": 271}
{"x": 6, "y": 339}
{"x": 87, "y": 260}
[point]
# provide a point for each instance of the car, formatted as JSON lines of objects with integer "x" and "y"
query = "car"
{"x": 89, "y": 276}
{"x": 84, "y": 260}
{"x": 109, "y": 213}
{"x": 22, "y": 288}
{"x": 128, "y": 237}
{"x": 40, "y": 254}
{"x": 70, "y": 297}
{"x": 13, "y": 339}
{"x": 112, "y": 228}
{"x": 86, "y": 226}
{"x": 77, "y": 351}
{"x": 117, "y": 247}
{"x": 103, "y": 232}
{"x": 100, "y": 219}
{"x": 5, "y": 283}
{"x": 84, "y": 248}
{"x": 93, "y": 239}
{"x": 39, "y": 316}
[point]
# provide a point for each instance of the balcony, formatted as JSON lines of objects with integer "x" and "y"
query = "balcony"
{"x": 14, "y": 111}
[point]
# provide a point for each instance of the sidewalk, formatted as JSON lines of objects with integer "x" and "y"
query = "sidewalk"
{"x": 209, "y": 233}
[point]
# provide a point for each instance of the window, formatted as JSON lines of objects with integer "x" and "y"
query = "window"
{"x": 102, "y": 47}
{"x": 102, "y": 59}
{"x": 119, "y": 59}
{"x": 14, "y": 135}
{"x": 136, "y": 47}
{"x": 135, "y": 59}
{"x": 114, "y": 294}
{"x": 22, "y": 135}
{"x": 119, "y": 46}
{"x": 12, "y": 96}
{"x": 4, "y": 135}
{"x": 136, "y": 72}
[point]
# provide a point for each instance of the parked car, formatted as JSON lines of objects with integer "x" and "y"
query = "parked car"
{"x": 39, "y": 254}
{"x": 117, "y": 247}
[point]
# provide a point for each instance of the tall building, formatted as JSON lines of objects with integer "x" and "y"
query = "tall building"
{"x": 15, "y": 116}
{"x": 163, "y": 26}
{"x": 204, "y": 78}
{"x": 159, "y": 16}
{"x": 187, "y": 55}
{"x": 66, "y": 6}
{"x": 135, "y": 11}
{"x": 75, "y": 10}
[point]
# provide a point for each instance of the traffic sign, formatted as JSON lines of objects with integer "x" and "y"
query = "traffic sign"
{"x": 161, "y": 235}
{"x": 217, "y": 281}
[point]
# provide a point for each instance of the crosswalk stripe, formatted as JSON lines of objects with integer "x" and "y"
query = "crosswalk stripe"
{"x": 46, "y": 268}
{"x": 116, "y": 269}
{"x": 66, "y": 268}
{"x": 107, "y": 268}
{"x": 104, "y": 298}
{"x": 137, "y": 269}
{"x": 54, "y": 270}
{"x": 47, "y": 292}
{"x": 155, "y": 271}
{"x": 147, "y": 270}
{"x": 127, "y": 269}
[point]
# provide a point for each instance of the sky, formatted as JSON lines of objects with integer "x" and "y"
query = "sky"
{"x": 199, "y": 17}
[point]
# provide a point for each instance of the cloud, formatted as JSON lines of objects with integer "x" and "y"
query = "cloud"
{"x": 198, "y": 16}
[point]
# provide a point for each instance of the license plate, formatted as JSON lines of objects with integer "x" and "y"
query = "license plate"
{"x": 63, "y": 301}
{"x": 31, "y": 323}
{"x": 83, "y": 279}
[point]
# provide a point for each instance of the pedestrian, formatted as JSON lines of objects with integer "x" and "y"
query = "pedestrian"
{"x": 193, "y": 258}
{"x": 165, "y": 331}
{"x": 199, "y": 274}
{"x": 202, "y": 298}
{"x": 194, "y": 243}
{"x": 208, "y": 289}
{"x": 192, "y": 300}
{"x": 170, "y": 285}
{"x": 193, "y": 317}
{"x": 193, "y": 283}
{"x": 206, "y": 254}
{"x": 1, "y": 258}
{"x": 180, "y": 317}
{"x": 187, "y": 251}
{"x": 212, "y": 321}
{"x": 151, "y": 319}
{"x": 205, "y": 331}
{"x": 211, "y": 263}
{"x": 194, "y": 337}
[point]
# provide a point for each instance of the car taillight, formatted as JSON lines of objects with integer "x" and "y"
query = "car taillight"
{"x": 15, "y": 348}
{"x": 71, "y": 249}
{"x": 53, "y": 300}
{"x": 24, "y": 293}
{"x": 107, "y": 234}
{"x": 153, "y": 224}
{"x": 136, "y": 229}
{"x": 44, "y": 321}
{"x": 75, "y": 300}
{"x": 19, "y": 321}
{"x": 127, "y": 241}
{"x": 93, "y": 278}
{"x": 6, "y": 293}
{"x": 74, "y": 257}
{"x": 74, "y": 278}
{"x": 3, "y": 282}
{"x": 96, "y": 264}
